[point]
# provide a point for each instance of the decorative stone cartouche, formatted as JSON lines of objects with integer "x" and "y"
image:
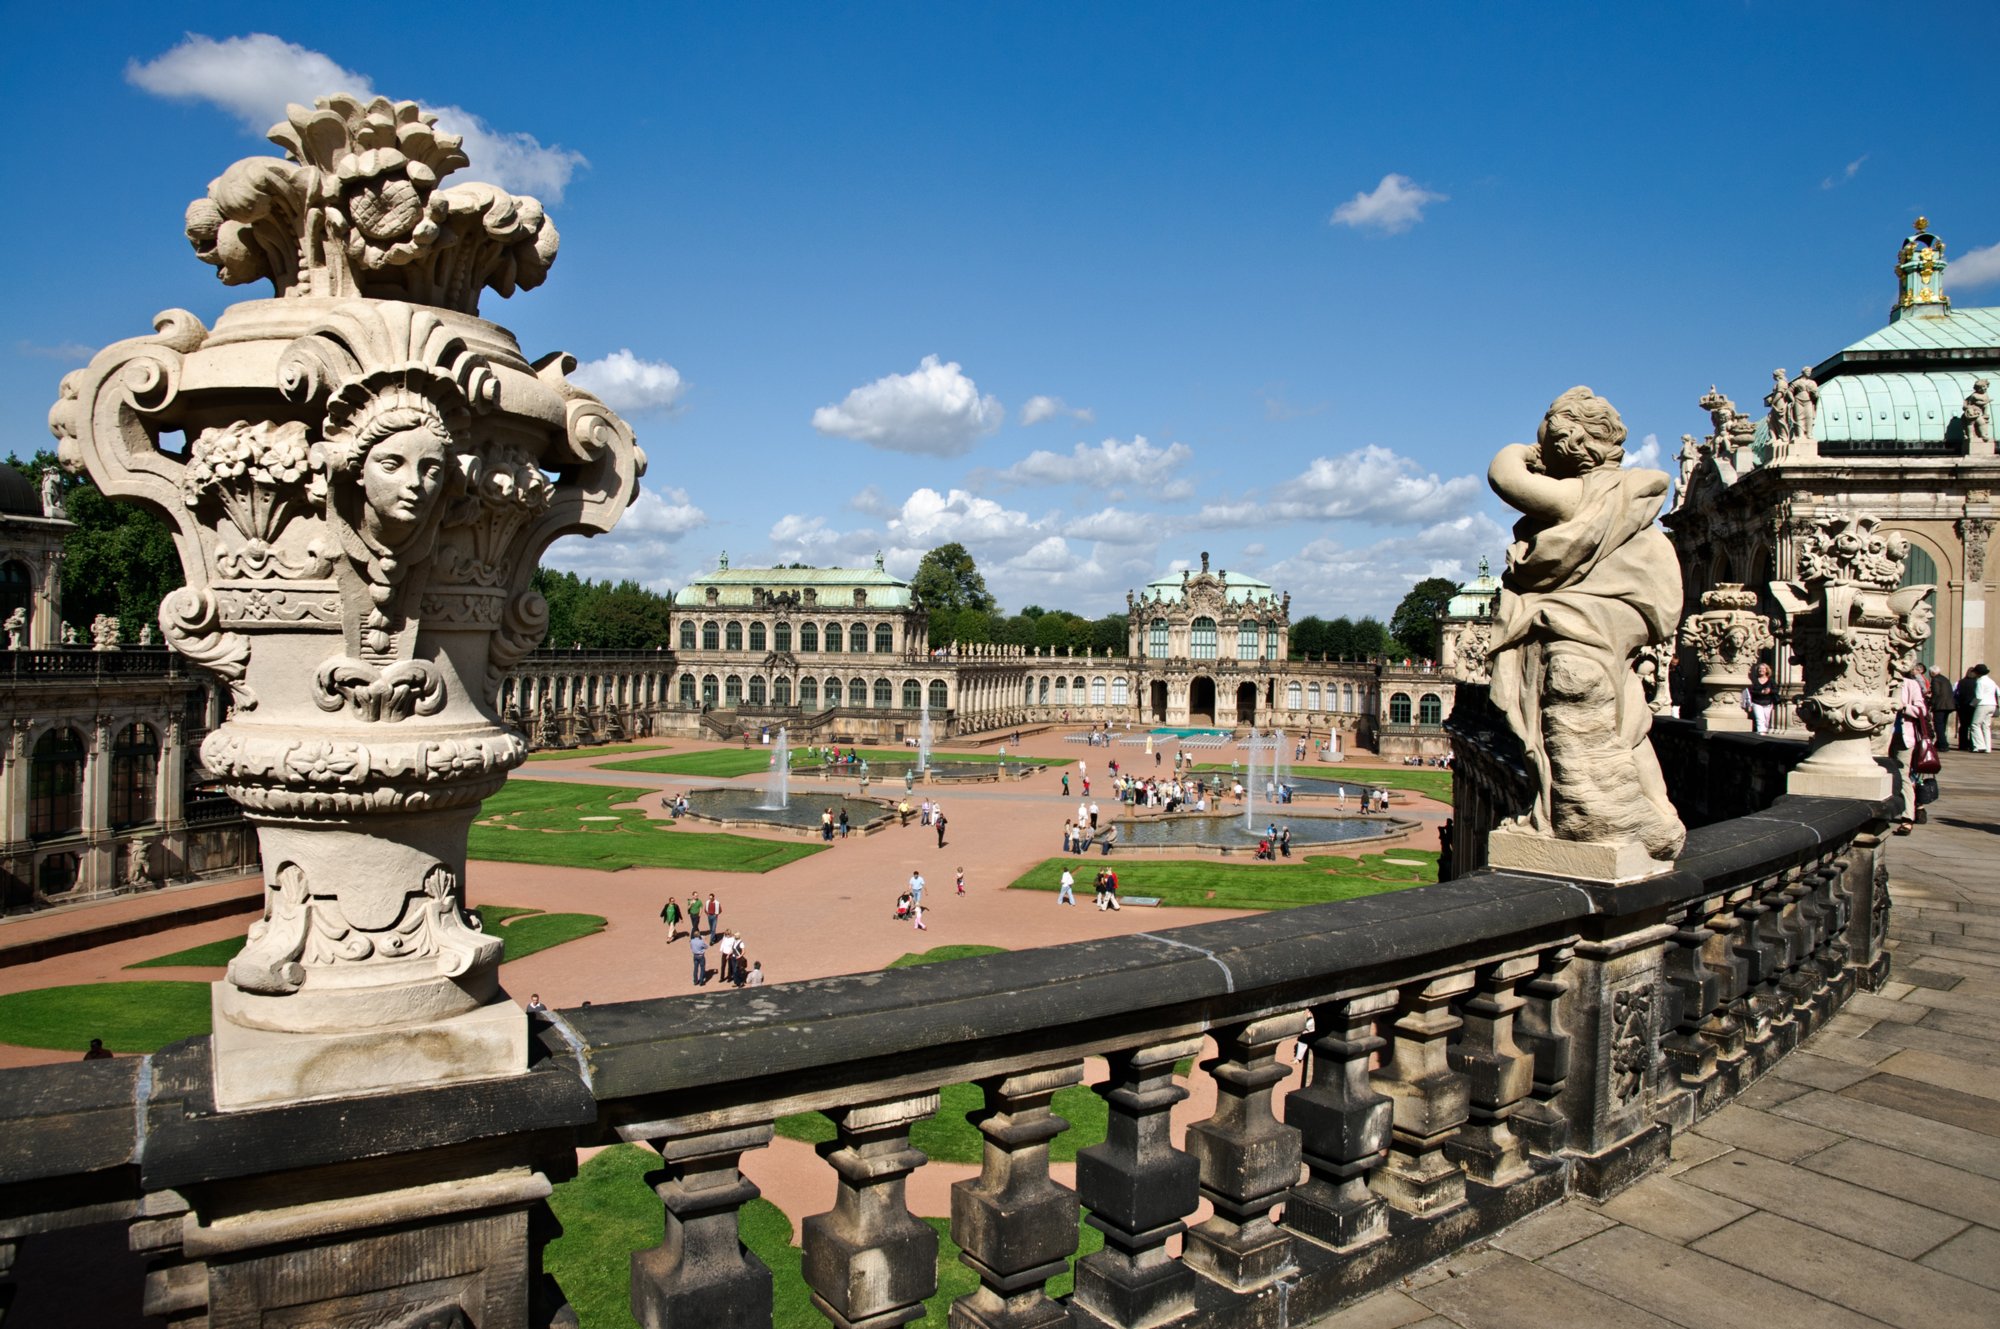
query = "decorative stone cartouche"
{"x": 1727, "y": 636}
{"x": 369, "y": 476}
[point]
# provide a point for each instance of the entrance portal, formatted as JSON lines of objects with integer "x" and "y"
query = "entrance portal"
{"x": 1246, "y": 703}
{"x": 1201, "y": 701}
{"x": 1158, "y": 698}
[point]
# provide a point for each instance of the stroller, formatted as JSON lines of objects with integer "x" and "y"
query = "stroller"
{"x": 903, "y": 907}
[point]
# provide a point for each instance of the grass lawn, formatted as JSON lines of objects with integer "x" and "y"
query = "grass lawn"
{"x": 542, "y": 821}
{"x": 948, "y": 1137}
{"x": 939, "y": 954}
{"x": 716, "y": 763}
{"x": 1314, "y": 879}
{"x": 604, "y": 750}
{"x": 607, "y": 1211}
{"x": 525, "y": 931}
{"x": 140, "y": 1016}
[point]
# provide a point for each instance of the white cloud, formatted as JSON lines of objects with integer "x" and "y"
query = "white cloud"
{"x": 1647, "y": 454}
{"x": 1111, "y": 465}
{"x": 1371, "y": 484}
{"x": 629, "y": 385}
{"x": 1328, "y": 578}
{"x": 1039, "y": 409}
{"x": 936, "y": 410}
{"x": 69, "y": 352}
{"x": 641, "y": 547}
{"x": 1975, "y": 267}
{"x": 1117, "y": 526}
{"x": 929, "y": 518}
{"x": 1395, "y": 205}
{"x": 1847, "y": 173}
{"x": 255, "y": 77}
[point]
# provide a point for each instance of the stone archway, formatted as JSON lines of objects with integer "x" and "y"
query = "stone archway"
{"x": 1201, "y": 701}
{"x": 1246, "y": 703}
{"x": 1157, "y": 699}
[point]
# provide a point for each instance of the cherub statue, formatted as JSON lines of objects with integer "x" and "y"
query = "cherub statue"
{"x": 69, "y": 634}
{"x": 17, "y": 629}
{"x": 1590, "y": 581}
{"x": 1978, "y": 416}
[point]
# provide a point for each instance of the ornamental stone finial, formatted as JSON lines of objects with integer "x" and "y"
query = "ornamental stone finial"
{"x": 1850, "y": 620}
{"x": 371, "y": 476}
{"x": 1591, "y": 581}
{"x": 1727, "y": 636}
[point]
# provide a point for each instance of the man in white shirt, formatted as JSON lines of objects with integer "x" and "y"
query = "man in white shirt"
{"x": 1067, "y": 895}
{"x": 917, "y": 889}
{"x": 1985, "y": 699}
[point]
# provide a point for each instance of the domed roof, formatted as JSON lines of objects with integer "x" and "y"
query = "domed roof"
{"x": 18, "y": 496}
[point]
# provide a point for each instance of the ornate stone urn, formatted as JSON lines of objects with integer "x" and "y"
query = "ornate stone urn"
{"x": 362, "y": 475}
{"x": 1726, "y": 636}
{"x": 1851, "y": 620}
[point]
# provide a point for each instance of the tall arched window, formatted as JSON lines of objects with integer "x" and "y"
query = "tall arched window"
{"x": 1347, "y": 698}
{"x": 1121, "y": 692}
{"x": 687, "y": 635}
{"x": 687, "y": 689}
{"x": 135, "y": 764}
{"x": 913, "y": 694}
{"x": 710, "y": 689}
{"x": 1028, "y": 693}
{"x": 1312, "y": 697}
{"x": 1156, "y": 639}
{"x": 809, "y": 694}
{"x": 857, "y": 638}
{"x": 1062, "y": 690}
{"x": 55, "y": 785}
{"x": 1399, "y": 708}
{"x": 1430, "y": 709}
{"x": 1077, "y": 684}
{"x": 1293, "y": 696}
{"x": 1096, "y": 692}
{"x": 940, "y": 697}
{"x": 808, "y": 636}
{"x": 756, "y": 689}
{"x": 756, "y": 636}
{"x": 884, "y": 694}
{"x": 732, "y": 637}
{"x": 885, "y": 639}
{"x": 833, "y": 637}
{"x": 781, "y": 637}
{"x": 857, "y": 692}
{"x": 1270, "y": 641}
{"x": 1201, "y": 639}
{"x": 732, "y": 690}
{"x": 832, "y": 690}
{"x": 781, "y": 691}
{"x": 1920, "y": 569}
{"x": 1045, "y": 692}
{"x": 711, "y": 637}
{"x": 1246, "y": 640}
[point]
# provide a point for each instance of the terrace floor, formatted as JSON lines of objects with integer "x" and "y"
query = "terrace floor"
{"x": 1856, "y": 1185}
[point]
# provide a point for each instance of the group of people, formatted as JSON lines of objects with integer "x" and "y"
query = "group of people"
{"x": 735, "y": 966}
{"x": 828, "y": 824}
{"x": 1277, "y": 842}
{"x": 930, "y": 812}
{"x": 910, "y": 904}
{"x": 1925, "y": 698}
{"x": 1106, "y": 884}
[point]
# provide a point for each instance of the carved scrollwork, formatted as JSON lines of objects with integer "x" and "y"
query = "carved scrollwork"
{"x": 1631, "y": 1029}
{"x": 403, "y": 689}
{"x": 269, "y": 962}
{"x": 191, "y": 625}
{"x": 522, "y": 628}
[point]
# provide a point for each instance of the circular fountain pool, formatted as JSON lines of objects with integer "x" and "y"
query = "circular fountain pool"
{"x": 801, "y": 811}
{"x": 1229, "y": 833}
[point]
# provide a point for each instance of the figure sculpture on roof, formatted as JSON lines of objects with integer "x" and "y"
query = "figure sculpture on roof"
{"x": 1978, "y": 416}
{"x": 1779, "y": 421}
{"x": 1804, "y": 409}
{"x": 52, "y": 504}
{"x": 1590, "y": 582}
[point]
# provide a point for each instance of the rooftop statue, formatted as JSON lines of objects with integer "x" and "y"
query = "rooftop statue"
{"x": 1590, "y": 582}
{"x": 1977, "y": 413}
{"x": 371, "y": 476}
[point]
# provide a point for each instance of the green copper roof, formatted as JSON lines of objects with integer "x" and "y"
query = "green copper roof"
{"x": 1963, "y": 338}
{"x": 1476, "y": 598}
{"x": 834, "y": 587}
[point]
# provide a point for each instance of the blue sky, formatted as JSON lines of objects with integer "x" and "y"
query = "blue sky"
{"x": 1089, "y": 288}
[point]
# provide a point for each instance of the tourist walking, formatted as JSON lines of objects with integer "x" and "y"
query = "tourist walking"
{"x": 1985, "y": 700}
{"x": 714, "y": 916}
{"x": 756, "y": 978}
{"x": 961, "y": 881}
{"x": 917, "y": 913}
{"x": 1962, "y": 697}
{"x": 1066, "y": 893}
{"x": 938, "y": 815}
{"x": 1065, "y": 792}
{"x": 671, "y": 915}
{"x": 917, "y": 888}
{"x": 1760, "y": 699}
{"x": 699, "y": 949}
{"x": 1913, "y": 710}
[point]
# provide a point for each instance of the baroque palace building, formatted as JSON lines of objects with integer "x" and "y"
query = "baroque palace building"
{"x": 1899, "y": 425}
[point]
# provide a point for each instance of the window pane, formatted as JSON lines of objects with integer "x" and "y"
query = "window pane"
{"x": 756, "y": 636}
{"x": 733, "y": 637}
{"x": 808, "y": 636}
{"x": 781, "y": 637}
{"x": 711, "y": 637}
{"x": 885, "y": 639}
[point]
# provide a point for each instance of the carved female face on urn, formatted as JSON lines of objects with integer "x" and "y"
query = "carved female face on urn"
{"x": 401, "y": 477}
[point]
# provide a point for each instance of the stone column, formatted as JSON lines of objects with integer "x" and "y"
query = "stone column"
{"x": 869, "y": 1262}
{"x": 1975, "y": 531}
{"x": 1015, "y": 1226}
{"x": 1344, "y": 1125}
{"x": 98, "y": 870}
{"x": 701, "y": 1276}
{"x": 1431, "y": 1102}
{"x": 1249, "y": 1159}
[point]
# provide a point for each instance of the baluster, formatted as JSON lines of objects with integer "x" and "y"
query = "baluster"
{"x": 1697, "y": 993}
{"x": 1498, "y": 1074}
{"x": 1344, "y": 1126}
{"x": 1726, "y": 1025}
{"x": 700, "y": 1275}
{"x": 1758, "y": 1005}
{"x": 1015, "y": 1227}
{"x": 1541, "y": 1122}
{"x": 1801, "y": 977}
{"x": 1248, "y": 1158}
{"x": 1868, "y": 906}
{"x": 1432, "y": 1102}
{"x": 1138, "y": 1188}
{"x": 867, "y": 1260}
{"x": 1836, "y": 955}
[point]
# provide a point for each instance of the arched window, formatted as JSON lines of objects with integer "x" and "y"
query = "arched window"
{"x": 1028, "y": 697}
{"x": 1294, "y": 696}
{"x": 55, "y": 785}
{"x": 884, "y": 694}
{"x": 808, "y": 694}
{"x": 1062, "y": 690}
{"x": 1201, "y": 639}
{"x": 1270, "y": 641}
{"x": 1246, "y": 640}
{"x": 885, "y": 639}
{"x": 135, "y": 764}
{"x": 1077, "y": 684}
{"x": 1312, "y": 696}
{"x": 1347, "y": 698}
{"x": 857, "y": 638}
{"x": 732, "y": 690}
{"x": 913, "y": 694}
{"x": 781, "y": 691}
{"x": 1920, "y": 569}
{"x": 1156, "y": 639}
{"x": 940, "y": 697}
{"x": 687, "y": 689}
{"x": 1121, "y": 693}
{"x": 808, "y": 636}
{"x": 756, "y": 689}
{"x": 833, "y": 638}
{"x": 1399, "y": 708}
{"x": 857, "y": 692}
{"x": 781, "y": 637}
{"x": 756, "y": 636}
{"x": 1430, "y": 709}
{"x": 1045, "y": 692}
{"x": 687, "y": 635}
{"x": 1096, "y": 692}
{"x": 711, "y": 637}
{"x": 732, "y": 637}
{"x": 710, "y": 689}
{"x": 832, "y": 690}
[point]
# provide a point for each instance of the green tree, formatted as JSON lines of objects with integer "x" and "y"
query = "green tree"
{"x": 1372, "y": 640}
{"x": 598, "y": 615}
{"x": 947, "y": 582}
{"x": 1340, "y": 639}
{"x": 1309, "y": 637}
{"x": 120, "y": 559}
{"x": 1111, "y": 633}
{"x": 1416, "y": 624}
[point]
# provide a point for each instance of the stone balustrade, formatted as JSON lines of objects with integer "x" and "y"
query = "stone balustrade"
{"x": 1480, "y": 1049}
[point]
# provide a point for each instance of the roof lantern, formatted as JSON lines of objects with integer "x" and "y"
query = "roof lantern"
{"x": 1920, "y": 265}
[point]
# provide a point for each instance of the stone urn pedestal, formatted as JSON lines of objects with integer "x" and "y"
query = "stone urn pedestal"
{"x": 1613, "y": 862}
